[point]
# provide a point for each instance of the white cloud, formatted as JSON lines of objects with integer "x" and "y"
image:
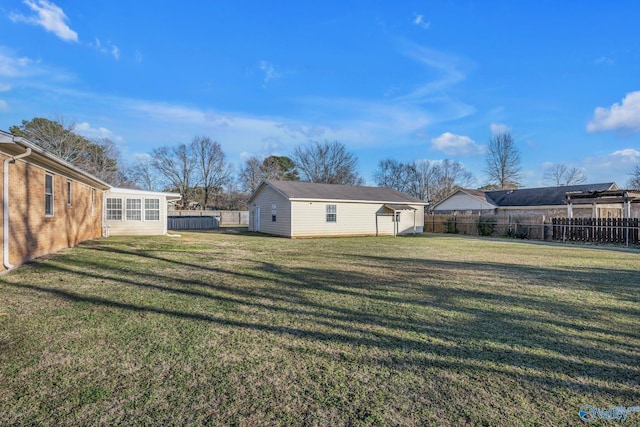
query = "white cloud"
{"x": 5, "y": 87}
{"x": 620, "y": 117}
{"x": 270, "y": 72}
{"x": 86, "y": 130}
{"x": 449, "y": 67}
{"x": 604, "y": 60}
{"x": 499, "y": 128}
{"x": 4, "y": 107}
{"x": 108, "y": 49}
{"x": 456, "y": 145}
{"x": 48, "y": 16}
{"x": 420, "y": 22}
{"x": 628, "y": 153}
{"x": 138, "y": 57}
{"x": 13, "y": 67}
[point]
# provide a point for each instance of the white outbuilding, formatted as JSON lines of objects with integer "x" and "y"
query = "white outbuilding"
{"x": 303, "y": 209}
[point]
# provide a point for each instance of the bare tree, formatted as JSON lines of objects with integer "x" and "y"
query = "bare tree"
{"x": 142, "y": 173}
{"x": 415, "y": 179}
{"x": 502, "y": 163}
{"x": 327, "y": 162}
{"x": 251, "y": 174}
{"x": 425, "y": 179}
{"x": 634, "y": 180}
{"x": 212, "y": 167}
{"x": 394, "y": 174}
{"x": 449, "y": 175}
{"x": 177, "y": 166}
{"x": 560, "y": 174}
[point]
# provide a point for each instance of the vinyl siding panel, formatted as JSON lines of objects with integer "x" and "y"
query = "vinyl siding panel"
{"x": 310, "y": 219}
{"x": 463, "y": 202}
{"x": 265, "y": 199}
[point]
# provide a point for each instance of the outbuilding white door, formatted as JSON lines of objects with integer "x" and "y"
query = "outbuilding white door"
{"x": 257, "y": 219}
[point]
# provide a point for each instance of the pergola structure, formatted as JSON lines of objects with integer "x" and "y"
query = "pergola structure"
{"x": 607, "y": 197}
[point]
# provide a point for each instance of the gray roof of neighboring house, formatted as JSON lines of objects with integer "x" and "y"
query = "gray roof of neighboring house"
{"x": 313, "y": 191}
{"x": 543, "y": 196}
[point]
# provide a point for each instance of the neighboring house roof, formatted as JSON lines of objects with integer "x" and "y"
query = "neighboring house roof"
{"x": 531, "y": 197}
{"x": 543, "y": 196}
{"x": 296, "y": 190}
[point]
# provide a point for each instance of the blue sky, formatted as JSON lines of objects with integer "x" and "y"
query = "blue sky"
{"x": 407, "y": 80}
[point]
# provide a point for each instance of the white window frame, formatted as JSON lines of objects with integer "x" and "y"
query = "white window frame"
{"x": 274, "y": 211}
{"x": 114, "y": 213}
{"x": 48, "y": 196}
{"x": 133, "y": 210}
{"x": 332, "y": 213}
{"x": 149, "y": 210}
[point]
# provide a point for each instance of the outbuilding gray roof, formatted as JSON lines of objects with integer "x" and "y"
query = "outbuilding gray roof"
{"x": 312, "y": 191}
{"x": 543, "y": 196}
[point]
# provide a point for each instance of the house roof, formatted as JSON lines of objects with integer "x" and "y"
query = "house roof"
{"x": 542, "y": 196}
{"x": 296, "y": 190}
{"x": 530, "y": 197}
{"x": 13, "y": 146}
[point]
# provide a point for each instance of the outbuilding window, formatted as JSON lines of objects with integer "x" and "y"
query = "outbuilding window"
{"x": 332, "y": 213}
{"x": 395, "y": 217}
{"x": 134, "y": 210}
{"x": 152, "y": 209}
{"x": 48, "y": 195}
{"x": 273, "y": 212}
{"x": 69, "y": 199}
{"x": 114, "y": 209}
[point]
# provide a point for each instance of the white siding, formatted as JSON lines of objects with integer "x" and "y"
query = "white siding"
{"x": 265, "y": 199}
{"x": 143, "y": 227}
{"x": 463, "y": 202}
{"x": 310, "y": 219}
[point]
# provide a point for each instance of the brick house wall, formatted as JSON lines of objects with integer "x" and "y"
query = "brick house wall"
{"x": 32, "y": 233}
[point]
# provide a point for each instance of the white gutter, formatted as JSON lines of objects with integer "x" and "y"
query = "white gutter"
{"x": 5, "y": 216}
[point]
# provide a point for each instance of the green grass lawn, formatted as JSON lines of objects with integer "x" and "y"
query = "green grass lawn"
{"x": 240, "y": 329}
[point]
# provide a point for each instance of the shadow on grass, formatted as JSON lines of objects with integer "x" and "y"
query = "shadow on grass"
{"x": 425, "y": 315}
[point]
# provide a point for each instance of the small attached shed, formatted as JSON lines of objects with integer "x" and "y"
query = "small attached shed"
{"x": 130, "y": 212}
{"x": 303, "y": 209}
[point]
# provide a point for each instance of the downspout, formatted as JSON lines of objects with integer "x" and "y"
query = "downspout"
{"x": 5, "y": 216}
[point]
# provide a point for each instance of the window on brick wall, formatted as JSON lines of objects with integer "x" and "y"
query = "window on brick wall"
{"x": 114, "y": 209}
{"x": 152, "y": 209}
{"x": 48, "y": 195}
{"x": 69, "y": 199}
{"x": 134, "y": 210}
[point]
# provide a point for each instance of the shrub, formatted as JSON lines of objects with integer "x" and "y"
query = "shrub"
{"x": 486, "y": 225}
{"x": 450, "y": 226}
{"x": 517, "y": 231}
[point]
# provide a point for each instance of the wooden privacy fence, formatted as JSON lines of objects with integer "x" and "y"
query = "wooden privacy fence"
{"x": 605, "y": 230}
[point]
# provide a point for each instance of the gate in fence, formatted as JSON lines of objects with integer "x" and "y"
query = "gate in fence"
{"x": 603, "y": 230}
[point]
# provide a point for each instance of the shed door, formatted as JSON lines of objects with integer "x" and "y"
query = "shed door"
{"x": 257, "y": 218}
